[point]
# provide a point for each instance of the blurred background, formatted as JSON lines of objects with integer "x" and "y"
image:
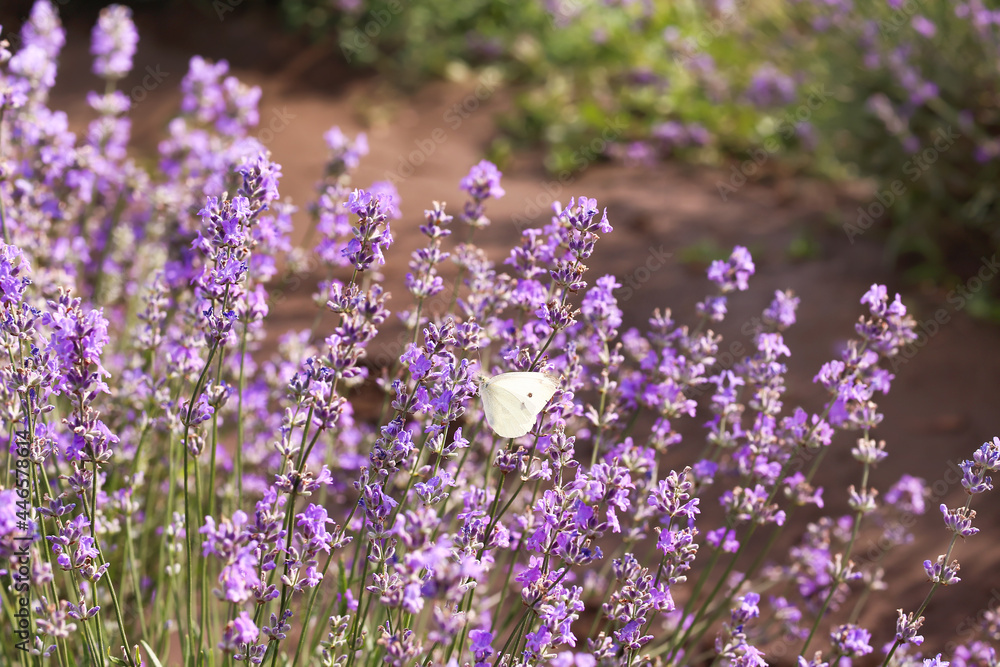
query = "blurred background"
{"x": 827, "y": 89}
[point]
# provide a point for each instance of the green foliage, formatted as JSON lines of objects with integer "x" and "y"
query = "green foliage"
{"x": 863, "y": 90}
{"x": 585, "y": 71}
{"x": 413, "y": 40}
{"x": 916, "y": 90}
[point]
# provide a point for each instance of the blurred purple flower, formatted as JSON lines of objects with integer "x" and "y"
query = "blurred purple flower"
{"x": 924, "y": 26}
{"x": 113, "y": 42}
{"x": 770, "y": 88}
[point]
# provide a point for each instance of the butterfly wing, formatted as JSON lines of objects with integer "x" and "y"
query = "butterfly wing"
{"x": 512, "y": 401}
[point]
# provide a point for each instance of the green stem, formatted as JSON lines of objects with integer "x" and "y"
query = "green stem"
{"x": 836, "y": 580}
{"x": 240, "y": 436}
{"x": 134, "y": 570}
{"x": 3, "y": 206}
{"x": 289, "y": 522}
{"x": 189, "y": 533}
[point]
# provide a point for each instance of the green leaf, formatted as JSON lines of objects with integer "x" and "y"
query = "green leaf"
{"x": 149, "y": 651}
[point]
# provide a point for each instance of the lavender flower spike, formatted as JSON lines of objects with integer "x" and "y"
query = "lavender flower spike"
{"x": 113, "y": 42}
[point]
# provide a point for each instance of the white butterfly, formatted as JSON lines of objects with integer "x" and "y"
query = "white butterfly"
{"x": 512, "y": 401}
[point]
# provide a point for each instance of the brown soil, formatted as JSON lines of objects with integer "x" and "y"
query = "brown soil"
{"x": 944, "y": 401}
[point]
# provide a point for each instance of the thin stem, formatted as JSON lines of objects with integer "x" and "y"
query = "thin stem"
{"x": 3, "y": 206}
{"x": 240, "y": 437}
{"x": 188, "y": 526}
{"x": 837, "y": 578}
{"x": 134, "y": 574}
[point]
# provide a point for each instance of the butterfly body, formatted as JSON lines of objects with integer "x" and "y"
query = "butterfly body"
{"x": 512, "y": 401}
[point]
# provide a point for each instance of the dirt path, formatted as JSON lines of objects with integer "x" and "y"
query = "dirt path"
{"x": 943, "y": 404}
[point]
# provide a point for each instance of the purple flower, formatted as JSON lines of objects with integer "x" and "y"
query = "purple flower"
{"x": 852, "y": 640}
{"x": 371, "y": 236}
{"x": 76, "y": 550}
{"x": 225, "y": 103}
{"x": 869, "y": 451}
{"x": 76, "y": 341}
{"x": 233, "y": 542}
{"x": 312, "y": 525}
{"x": 714, "y": 308}
{"x": 746, "y": 609}
{"x": 698, "y": 134}
{"x": 44, "y": 30}
{"x": 924, "y": 26}
{"x": 345, "y": 155}
{"x": 959, "y": 521}
{"x": 988, "y": 455}
{"x": 770, "y": 88}
{"x": 8, "y": 512}
{"x": 4, "y": 51}
{"x": 732, "y": 274}
{"x": 781, "y": 312}
{"x": 671, "y": 497}
{"x": 260, "y": 182}
{"x": 908, "y": 494}
{"x": 114, "y": 103}
{"x": 203, "y": 95}
{"x": 14, "y": 269}
{"x": 244, "y": 629}
{"x": 388, "y": 194}
{"x": 113, "y": 42}
{"x": 907, "y": 627}
{"x": 745, "y": 504}
{"x": 600, "y": 308}
{"x": 974, "y": 477}
{"x": 238, "y": 633}
{"x": 35, "y": 66}
{"x": 670, "y": 134}
{"x": 801, "y": 492}
{"x": 680, "y": 550}
{"x": 703, "y": 472}
{"x": 630, "y": 636}
{"x": 481, "y": 645}
{"x": 482, "y": 183}
{"x": 724, "y": 538}
{"x": 939, "y": 572}
{"x": 635, "y": 153}
{"x": 57, "y": 622}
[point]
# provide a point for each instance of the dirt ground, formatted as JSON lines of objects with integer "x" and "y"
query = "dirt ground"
{"x": 944, "y": 401}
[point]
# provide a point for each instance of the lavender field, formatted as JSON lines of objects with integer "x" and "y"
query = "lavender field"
{"x": 482, "y": 334}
